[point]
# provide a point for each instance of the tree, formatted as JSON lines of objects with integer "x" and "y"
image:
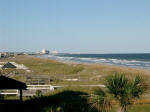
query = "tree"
{"x": 100, "y": 101}
{"x": 125, "y": 89}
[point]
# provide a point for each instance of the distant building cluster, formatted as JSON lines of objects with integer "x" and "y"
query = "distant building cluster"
{"x": 7, "y": 54}
{"x": 13, "y": 54}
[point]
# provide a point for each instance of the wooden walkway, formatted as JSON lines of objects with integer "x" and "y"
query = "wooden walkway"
{"x": 31, "y": 89}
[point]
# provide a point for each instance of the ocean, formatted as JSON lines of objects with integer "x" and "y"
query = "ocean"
{"x": 128, "y": 60}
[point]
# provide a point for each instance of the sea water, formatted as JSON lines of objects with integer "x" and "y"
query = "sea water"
{"x": 129, "y": 60}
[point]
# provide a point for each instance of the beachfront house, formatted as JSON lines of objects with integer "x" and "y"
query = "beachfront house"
{"x": 3, "y": 55}
{"x": 7, "y": 54}
{"x": 8, "y": 65}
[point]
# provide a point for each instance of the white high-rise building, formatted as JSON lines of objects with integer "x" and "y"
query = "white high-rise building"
{"x": 44, "y": 51}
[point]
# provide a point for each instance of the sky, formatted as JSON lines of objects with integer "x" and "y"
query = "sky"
{"x": 85, "y": 26}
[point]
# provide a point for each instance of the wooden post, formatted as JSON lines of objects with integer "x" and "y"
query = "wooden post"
{"x": 21, "y": 95}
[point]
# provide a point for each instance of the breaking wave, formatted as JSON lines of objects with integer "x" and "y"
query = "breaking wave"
{"x": 110, "y": 61}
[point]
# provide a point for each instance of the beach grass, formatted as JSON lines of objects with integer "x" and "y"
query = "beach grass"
{"x": 86, "y": 73}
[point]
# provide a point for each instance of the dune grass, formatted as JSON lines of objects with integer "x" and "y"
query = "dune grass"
{"x": 86, "y": 73}
{"x": 134, "y": 108}
{"x": 45, "y": 66}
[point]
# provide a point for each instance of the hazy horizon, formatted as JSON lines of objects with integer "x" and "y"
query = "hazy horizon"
{"x": 83, "y": 26}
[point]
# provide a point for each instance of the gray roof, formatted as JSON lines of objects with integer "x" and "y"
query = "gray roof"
{"x": 9, "y": 65}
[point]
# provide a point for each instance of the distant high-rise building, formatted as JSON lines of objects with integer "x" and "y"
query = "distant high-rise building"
{"x": 44, "y": 51}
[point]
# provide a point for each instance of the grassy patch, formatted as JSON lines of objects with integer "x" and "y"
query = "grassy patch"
{"x": 134, "y": 108}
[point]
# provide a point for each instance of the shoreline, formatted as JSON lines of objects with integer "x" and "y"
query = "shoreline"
{"x": 96, "y": 64}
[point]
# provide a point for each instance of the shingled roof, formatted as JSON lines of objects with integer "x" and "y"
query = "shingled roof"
{"x": 9, "y": 83}
{"x": 9, "y": 65}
